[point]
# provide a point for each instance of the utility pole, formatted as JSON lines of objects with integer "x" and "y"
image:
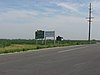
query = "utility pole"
{"x": 89, "y": 22}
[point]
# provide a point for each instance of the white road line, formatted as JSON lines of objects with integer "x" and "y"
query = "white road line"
{"x": 71, "y": 49}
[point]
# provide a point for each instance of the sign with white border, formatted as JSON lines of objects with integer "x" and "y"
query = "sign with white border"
{"x": 49, "y": 33}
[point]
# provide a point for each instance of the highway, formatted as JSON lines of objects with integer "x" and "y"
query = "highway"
{"x": 73, "y": 60}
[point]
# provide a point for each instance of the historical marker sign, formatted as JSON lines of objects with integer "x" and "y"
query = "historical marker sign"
{"x": 39, "y": 34}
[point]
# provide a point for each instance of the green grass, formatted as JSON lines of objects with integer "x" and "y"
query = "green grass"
{"x": 8, "y": 46}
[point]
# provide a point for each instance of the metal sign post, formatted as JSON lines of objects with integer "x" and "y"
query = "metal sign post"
{"x": 36, "y": 42}
{"x": 45, "y": 40}
{"x": 54, "y": 40}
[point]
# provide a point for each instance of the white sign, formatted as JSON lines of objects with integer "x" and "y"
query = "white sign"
{"x": 49, "y": 33}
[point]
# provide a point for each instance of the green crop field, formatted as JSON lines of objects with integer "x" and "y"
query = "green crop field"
{"x": 17, "y": 45}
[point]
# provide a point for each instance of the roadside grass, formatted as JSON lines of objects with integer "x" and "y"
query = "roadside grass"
{"x": 16, "y": 48}
{"x": 24, "y": 47}
{"x": 10, "y": 46}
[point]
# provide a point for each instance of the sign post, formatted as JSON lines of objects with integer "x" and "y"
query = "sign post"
{"x": 45, "y": 40}
{"x": 39, "y": 34}
{"x": 49, "y": 34}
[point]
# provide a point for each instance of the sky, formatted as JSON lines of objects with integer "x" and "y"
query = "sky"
{"x": 19, "y": 19}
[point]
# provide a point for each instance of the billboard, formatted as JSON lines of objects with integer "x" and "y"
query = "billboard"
{"x": 49, "y": 33}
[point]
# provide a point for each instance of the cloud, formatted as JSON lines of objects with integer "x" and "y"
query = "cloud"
{"x": 18, "y": 17}
{"x": 45, "y": 7}
{"x": 17, "y": 14}
{"x": 69, "y": 6}
{"x": 96, "y": 5}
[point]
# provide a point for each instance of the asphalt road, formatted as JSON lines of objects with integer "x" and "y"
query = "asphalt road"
{"x": 74, "y": 60}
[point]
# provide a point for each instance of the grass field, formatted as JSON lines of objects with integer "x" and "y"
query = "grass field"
{"x": 17, "y": 45}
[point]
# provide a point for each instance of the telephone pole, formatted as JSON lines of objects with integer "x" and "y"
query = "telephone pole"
{"x": 89, "y": 22}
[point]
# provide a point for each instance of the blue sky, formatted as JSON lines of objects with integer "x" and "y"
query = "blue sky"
{"x": 21, "y": 18}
